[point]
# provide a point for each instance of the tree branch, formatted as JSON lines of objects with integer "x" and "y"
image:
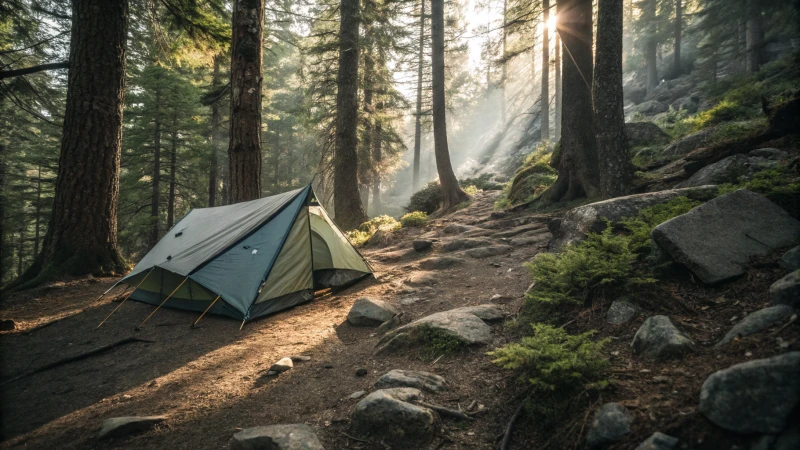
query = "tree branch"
{"x": 33, "y": 69}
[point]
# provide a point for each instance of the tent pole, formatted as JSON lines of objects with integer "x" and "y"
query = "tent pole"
{"x": 204, "y": 312}
{"x": 242, "y": 326}
{"x": 126, "y": 298}
{"x": 162, "y": 304}
{"x": 127, "y": 286}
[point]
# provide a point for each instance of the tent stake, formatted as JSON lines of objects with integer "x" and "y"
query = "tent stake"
{"x": 126, "y": 298}
{"x": 242, "y": 326}
{"x": 204, "y": 312}
{"x": 162, "y": 304}
{"x": 104, "y": 294}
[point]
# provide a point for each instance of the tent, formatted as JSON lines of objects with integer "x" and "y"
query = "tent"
{"x": 255, "y": 257}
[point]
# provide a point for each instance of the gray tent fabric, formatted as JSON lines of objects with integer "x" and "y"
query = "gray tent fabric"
{"x": 257, "y": 257}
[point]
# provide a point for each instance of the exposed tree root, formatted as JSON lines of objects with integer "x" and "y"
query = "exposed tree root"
{"x": 510, "y": 427}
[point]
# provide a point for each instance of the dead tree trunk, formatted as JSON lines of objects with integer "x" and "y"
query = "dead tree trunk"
{"x": 577, "y": 160}
{"x": 346, "y": 200}
{"x": 616, "y": 169}
{"x": 451, "y": 192}
{"x": 216, "y": 82}
{"x": 418, "y": 114}
{"x": 244, "y": 149}
{"x": 545, "y": 100}
{"x": 82, "y": 235}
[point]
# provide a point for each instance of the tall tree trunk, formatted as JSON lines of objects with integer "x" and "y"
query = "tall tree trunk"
{"x": 3, "y": 252}
{"x": 741, "y": 45}
{"x": 504, "y": 68}
{"x": 347, "y": 205}
{"x": 545, "y": 100}
{"x": 172, "y": 166}
{"x": 418, "y": 116}
{"x": 82, "y": 235}
{"x": 216, "y": 82}
{"x": 377, "y": 156}
{"x": 676, "y": 53}
{"x": 37, "y": 211}
{"x": 754, "y": 36}
{"x": 557, "y": 125}
{"x": 244, "y": 149}
{"x": 650, "y": 43}
{"x": 577, "y": 160}
{"x": 616, "y": 169}
{"x": 20, "y": 250}
{"x": 451, "y": 192}
{"x": 365, "y": 149}
{"x": 155, "y": 178}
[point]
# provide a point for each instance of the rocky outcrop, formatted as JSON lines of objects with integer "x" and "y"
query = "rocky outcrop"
{"x": 735, "y": 168}
{"x": 642, "y": 134}
{"x": 580, "y": 221}
{"x": 462, "y": 244}
{"x": 717, "y": 239}
{"x": 123, "y": 426}
{"x": 464, "y": 327}
{"x": 611, "y": 422}
{"x": 368, "y": 312}
{"x": 690, "y": 143}
{"x": 424, "y": 381}
{"x": 658, "y": 338}
{"x": 486, "y": 312}
{"x": 650, "y": 108}
{"x": 786, "y": 291}
{"x": 486, "y": 252}
{"x": 755, "y": 396}
{"x": 389, "y": 416}
{"x": 756, "y": 321}
{"x": 277, "y": 437}
{"x": 621, "y": 311}
{"x": 658, "y": 441}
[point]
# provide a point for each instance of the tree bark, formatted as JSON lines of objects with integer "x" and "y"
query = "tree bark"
{"x": 451, "y": 192}
{"x": 2, "y": 212}
{"x": 754, "y": 37}
{"x": 545, "y": 98}
{"x": 377, "y": 156}
{"x": 216, "y": 82}
{"x": 676, "y": 53}
{"x": 347, "y": 205}
{"x": 173, "y": 159}
{"x": 20, "y": 250}
{"x": 155, "y": 179}
{"x": 37, "y": 211}
{"x": 82, "y": 235}
{"x": 650, "y": 43}
{"x": 557, "y": 125}
{"x": 616, "y": 169}
{"x": 418, "y": 115}
{"x": 577, "y": 162}
{"x": 365, "y": 154}
{"x": 244, "y": 149}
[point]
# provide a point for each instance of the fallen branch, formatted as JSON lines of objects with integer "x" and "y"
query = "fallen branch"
{"x": 446, "y": 411}
{"x": 510, "y": 427}
{"x": 77, "y": 357}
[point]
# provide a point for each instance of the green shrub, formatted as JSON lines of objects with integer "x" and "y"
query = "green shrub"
{"x": 357, "y": 237}
{"x": 470, "y": 189}
{"x": 437, "y": 342}
{"x": 639, "y": 227}
{"x": 414, "y": 219}
{"x": 779, "y": 185}
{"x": 384, "y": 223}
{"x": 426, "y": 199}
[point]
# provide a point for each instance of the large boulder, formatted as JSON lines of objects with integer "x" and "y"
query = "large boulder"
{"x": 580, "y": 221}
{"x": 757, "y": 321}
{"x": 117, "y": 427}
{"x": 717, "y": 239}
{"x": 658, "y": 338}
{"x": 486, "y": 312}
{"x": 650, "y": 108}
{"x": 641, "y": 134}
{"x": 425, "y": 381}
{"x": 786, "y": 291}
{"x": 658, "y": 441}
{"x": 389, "y": 416}
{"x": 755, "y": 396}
{"x": 611, "y": 422}
{"x": 735, "y": 168}
{"x": 690, "y": 143}
{"x": 369, "y": 312}
{"x": 277, "y": 437}
{"x": 465, "y": 327}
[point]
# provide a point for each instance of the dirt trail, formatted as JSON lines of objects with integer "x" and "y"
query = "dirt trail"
{"x": 211, "y": 381}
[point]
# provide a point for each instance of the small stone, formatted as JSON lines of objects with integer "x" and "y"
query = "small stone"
{"x": 611, "y": 422}
{"x": 421, "y": 245}
{"x": 790, "y": 260}
{"x": 757, "y": 321}
{"x": 659, "y": 441}
{"x": 7, "y": 325}
{"x": 368, "y": 312}
{"x": 621, "y": 311}
{"x": 786, "y": 291}
{"x": 357, "y": 394}
{"x": 300, "y": 358}
{"x": 361, "y": 372}
{"x": 277, "y": 437}
{"x": 123, "y": 426}
{"x": 658, "y": 338}
{"x": 411, "y": 378}
{"x": 282, "y": 366}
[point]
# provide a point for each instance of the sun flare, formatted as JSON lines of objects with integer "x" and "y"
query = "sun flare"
{"x": 551, "y": 23}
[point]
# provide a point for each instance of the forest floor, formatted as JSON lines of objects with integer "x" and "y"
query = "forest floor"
{"x": 211, "y": 382}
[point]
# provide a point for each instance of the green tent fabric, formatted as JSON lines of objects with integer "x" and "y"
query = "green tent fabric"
{"x": 258, "y": 257}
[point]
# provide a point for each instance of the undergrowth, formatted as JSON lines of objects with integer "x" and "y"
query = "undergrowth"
{"x": 531, "y": 179}
{"x": 414, "y": 219}
{"x": 436, "y": 343}
{"x": 367, "y": 229}
{"x": 780, "y": 185}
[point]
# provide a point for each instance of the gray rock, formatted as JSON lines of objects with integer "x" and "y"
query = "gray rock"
{"x": 358, "y": 394}
{"x": 611, "y": 422}
{"x": 658, "y": 338}
{"x": 7, "y": 325}
{"x": 757, "y": 321}
{"x": 300, "y": 358}
{"x": 526, "y": 228}
{"x": 621, "y": 311}
{"x": 122, "y": 426}
{"x": 580, "y": 221}
{"x": 645, "y": 134}
{"x": 754, "y": 396}
{"x": 388, "y": 416}
{"x": 485, "y": 252}
{"x": 769, "y": 153}
{"x": 717, "y": 239}
{"x": 486, "y": 312}
{"x": 790, "y": 260}
{"x": 277, "y": 437}
{"x": 457, "y": 228}
{"x": 369, "y": 312}
{"x": 439, "y": 262}
{"x": 658, "y": 441}
{"x": 650, "y": 108}
{"x": 789, "y": 439}
{"x": 690, "y": 143}
{"x": 786, "y": 291}
{"x": 282, "y": 366}
{"x": 422, "y": 278}
{"x": 690, "y": 104}
{"x": 421, "y": 244}
{"x": 465, "y": 327}
{"x": 425, "y": 381}
{"x": 732, "y": 169}
{"x": 461, "y": 244}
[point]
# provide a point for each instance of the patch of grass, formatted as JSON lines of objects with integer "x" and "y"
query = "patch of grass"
{"x": 437, "y": 343}
{"x": 367, "y": 229}
{"x": 483, "y": 182}
{"x": 470, "y": 189}
{"x": 414, "y": 219}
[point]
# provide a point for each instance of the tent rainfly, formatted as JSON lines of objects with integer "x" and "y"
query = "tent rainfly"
{"x": 257, "y": 257}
